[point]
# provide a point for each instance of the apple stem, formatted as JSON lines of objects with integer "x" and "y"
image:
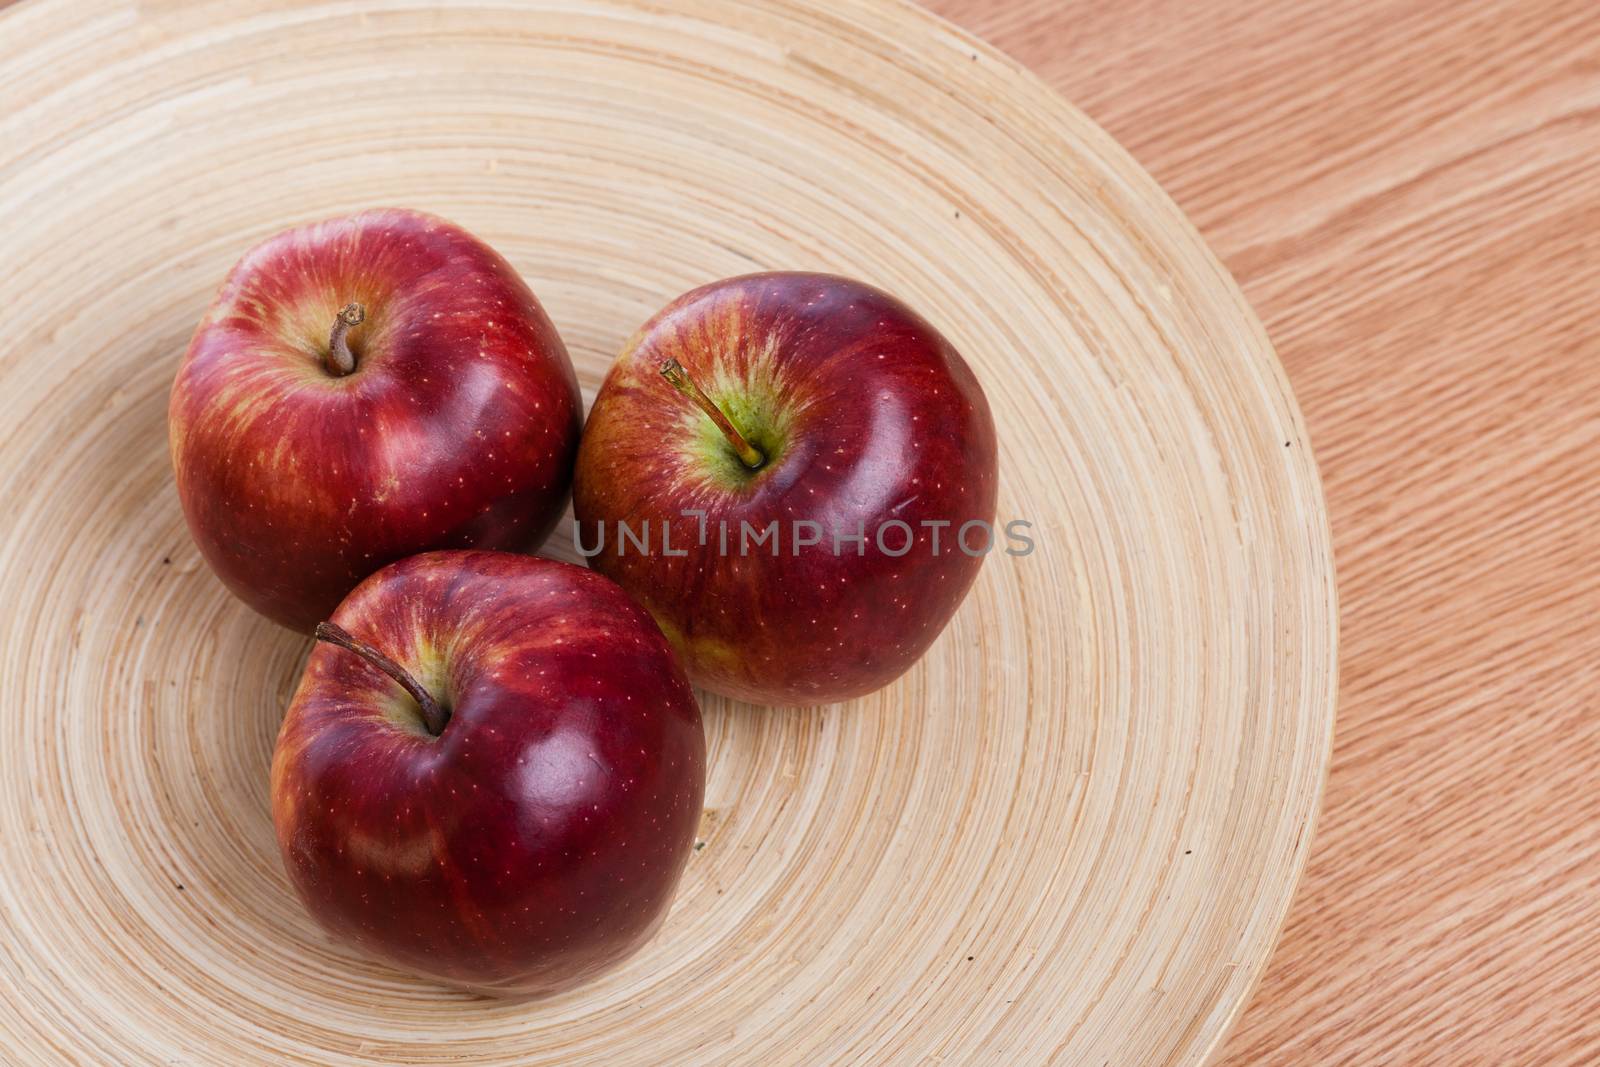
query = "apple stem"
{"x": 341, "y": 360}
{"x": 748, "y": 454}
{"x": 433, "y": 716}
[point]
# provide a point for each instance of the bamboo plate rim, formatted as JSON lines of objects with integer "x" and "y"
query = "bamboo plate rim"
{"x": 1070, "y": 834}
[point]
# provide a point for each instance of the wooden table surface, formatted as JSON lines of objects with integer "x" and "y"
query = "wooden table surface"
{"x": 1410, "y": 196}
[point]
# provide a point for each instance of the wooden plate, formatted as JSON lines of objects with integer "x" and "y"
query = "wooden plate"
{"x": 1070, "y": 834}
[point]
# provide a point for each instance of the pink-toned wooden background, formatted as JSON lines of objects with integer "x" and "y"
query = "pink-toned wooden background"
{"x": 1409, "y": 194}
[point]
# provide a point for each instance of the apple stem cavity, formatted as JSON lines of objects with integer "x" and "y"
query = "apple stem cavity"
{"x": 434, "y": 717}
{"x": 748, "y": 454}
{"x": 341, "y": 360}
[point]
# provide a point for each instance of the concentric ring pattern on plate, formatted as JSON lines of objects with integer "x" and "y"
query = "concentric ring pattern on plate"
{"x": 1071, "y": 833}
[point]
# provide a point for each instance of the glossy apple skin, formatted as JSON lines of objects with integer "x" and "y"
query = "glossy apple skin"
{"x": 866, "y": 414}
{"x": 457, "y": 429}
{"x": 538, "y": 838}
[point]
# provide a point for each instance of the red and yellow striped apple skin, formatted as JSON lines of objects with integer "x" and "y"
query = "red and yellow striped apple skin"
{"x": 457, "y": 429}
{"x": 868, "y": 416}
{"x": 538, "y": 839}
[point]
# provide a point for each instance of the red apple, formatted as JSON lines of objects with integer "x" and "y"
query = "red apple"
{"x": 361, "y": 390}
{"x": 491, "y": 773}
{"x": 823, "y": 406}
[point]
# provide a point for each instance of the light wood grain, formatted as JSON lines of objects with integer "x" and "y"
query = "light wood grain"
{"x": 1410, "y": 197}
{"x": 1071, "y": 833}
